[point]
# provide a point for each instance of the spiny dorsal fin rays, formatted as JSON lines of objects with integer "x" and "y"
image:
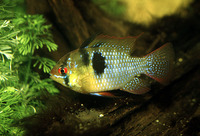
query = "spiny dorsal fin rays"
{"x": 88, "y": 41}
{"x": 126, "y": 43}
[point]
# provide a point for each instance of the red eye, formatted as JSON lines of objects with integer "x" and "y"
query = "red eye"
{"x": 62, "y": 70}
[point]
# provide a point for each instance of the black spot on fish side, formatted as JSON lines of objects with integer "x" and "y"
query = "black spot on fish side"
{"x": 85, "y": 56}
{"x": 98, "y": 63}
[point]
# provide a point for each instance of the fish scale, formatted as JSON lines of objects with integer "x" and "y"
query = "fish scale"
{"x": 119, "y": 69}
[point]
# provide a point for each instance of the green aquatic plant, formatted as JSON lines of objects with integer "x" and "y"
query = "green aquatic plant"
{"x": 20, "y": 87}
{"x": 33, "y": 34}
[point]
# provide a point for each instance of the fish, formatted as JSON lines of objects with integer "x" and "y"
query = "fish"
{"x": 104, "y": 63}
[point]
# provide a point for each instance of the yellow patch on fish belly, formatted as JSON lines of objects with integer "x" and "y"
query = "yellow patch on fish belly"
{"x": 86, "y": 80}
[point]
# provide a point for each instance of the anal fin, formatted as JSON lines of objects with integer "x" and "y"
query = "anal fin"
{"x": 137, "y": 85}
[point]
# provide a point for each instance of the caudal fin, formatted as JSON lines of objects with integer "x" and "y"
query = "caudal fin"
{"x": 160, "y": 63}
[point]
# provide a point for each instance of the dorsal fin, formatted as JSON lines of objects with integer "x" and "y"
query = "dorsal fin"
{"x": 125, "y": 43}
{"x": 88, "y": 41}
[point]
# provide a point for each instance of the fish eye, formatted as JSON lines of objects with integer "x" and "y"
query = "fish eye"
{"x": 62, "y": 70}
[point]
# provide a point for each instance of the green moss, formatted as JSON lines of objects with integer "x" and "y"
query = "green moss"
{"x": 20, "y": 86}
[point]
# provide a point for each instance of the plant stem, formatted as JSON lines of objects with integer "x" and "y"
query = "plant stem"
{"x": 28, "y": 69}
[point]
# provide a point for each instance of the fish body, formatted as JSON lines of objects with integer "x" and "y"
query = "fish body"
{"x": 106, "y": 63}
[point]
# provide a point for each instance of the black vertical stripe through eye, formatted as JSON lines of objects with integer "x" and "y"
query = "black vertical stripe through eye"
{"x": 66, "y": 80}
{"x": 62, "y": 70}
{"x": 98, "y": 63}
{"x": 85, "y": 56}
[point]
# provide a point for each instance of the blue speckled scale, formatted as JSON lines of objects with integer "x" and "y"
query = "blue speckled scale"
{"x": 120, "y": 68}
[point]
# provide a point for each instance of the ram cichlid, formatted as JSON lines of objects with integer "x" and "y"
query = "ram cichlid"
{"x": 105, "y": 63}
